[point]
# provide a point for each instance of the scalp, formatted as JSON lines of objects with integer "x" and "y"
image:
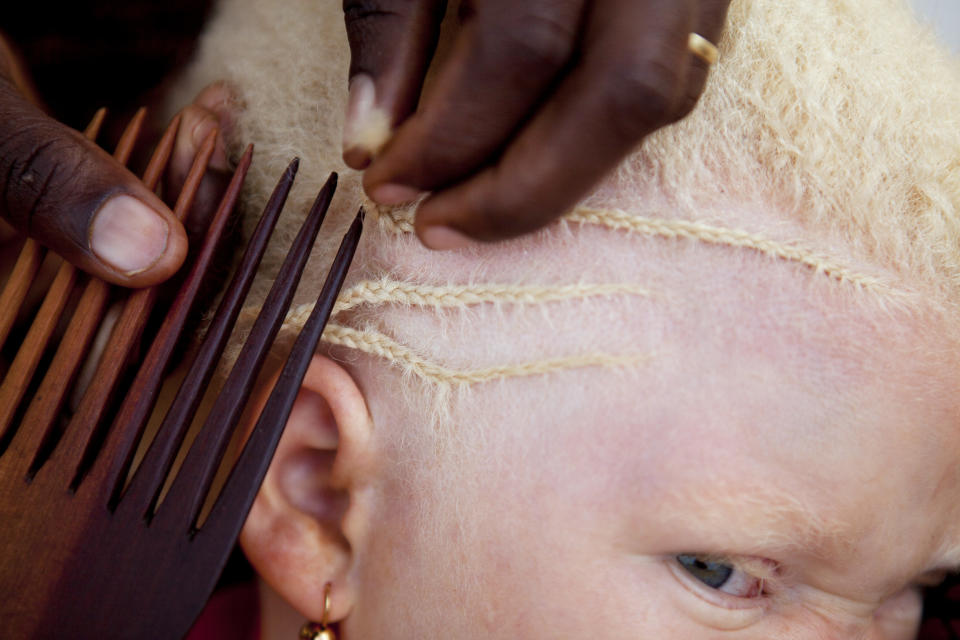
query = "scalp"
{"x": 827, "y": 139}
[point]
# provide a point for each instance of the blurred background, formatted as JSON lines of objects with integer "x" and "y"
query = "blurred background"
{"x": 88, "y": 53}
{"x": 944, "y": 16}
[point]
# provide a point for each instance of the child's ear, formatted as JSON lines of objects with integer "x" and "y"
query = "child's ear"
{"x": 299, "y": 534}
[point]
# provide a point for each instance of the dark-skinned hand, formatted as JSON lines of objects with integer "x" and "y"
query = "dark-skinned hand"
{"x": 537, "y": 101}
{"x": 71, "y": 196}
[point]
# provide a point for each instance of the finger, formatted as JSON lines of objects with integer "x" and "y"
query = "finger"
{"x": 712, "y": 15}
{"x": 391, "y": 44}
{"x": 711, "y": 18}
{"x": 213, "y": 109}
{"x": 74, "y": 198}
{"x": 504, "y": 63}
{"x": 630, "y": 82}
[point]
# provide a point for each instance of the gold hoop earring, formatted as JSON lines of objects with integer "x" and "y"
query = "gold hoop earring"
{"x": 320, "y": 630}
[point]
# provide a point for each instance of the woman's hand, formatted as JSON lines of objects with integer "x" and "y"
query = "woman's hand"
{"x": 537, "y": 101}
{"x": 71, "y": 196}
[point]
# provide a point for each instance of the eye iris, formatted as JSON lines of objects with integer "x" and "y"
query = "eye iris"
{"x": 712, "y": 574}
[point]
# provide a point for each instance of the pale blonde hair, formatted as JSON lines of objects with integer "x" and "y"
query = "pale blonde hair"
{"x": 832, "y": 122}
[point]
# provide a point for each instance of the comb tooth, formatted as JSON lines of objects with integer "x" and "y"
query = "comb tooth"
{"x": 192, "y": 183}
{"x": 128, "y": 140}
{"x": 148, "y": 479}
{"x": 113, "y": 461}
{"x": 18, "y": 284}
{"x": 161, "y": 155}
{"x": 192, "y": 483}
{"x": 93, "y": 129}
{"x": 123, "y": 341}
{"x": 232, "y": 505}
{"x": 114, "y": 458}
{"x": 32, "y": 348}
{"x": 36, "y": 432}
{"x": 31, "y": 256}
{"x": 25, "y": 270}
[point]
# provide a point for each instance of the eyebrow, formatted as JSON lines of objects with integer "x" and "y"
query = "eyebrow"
{"x": 772, "y": 519}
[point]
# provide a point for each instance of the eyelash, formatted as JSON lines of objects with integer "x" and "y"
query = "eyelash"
{"x": 760, "y": 572}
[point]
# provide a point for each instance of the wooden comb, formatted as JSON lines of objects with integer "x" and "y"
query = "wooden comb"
{"x": 85, "y": 551}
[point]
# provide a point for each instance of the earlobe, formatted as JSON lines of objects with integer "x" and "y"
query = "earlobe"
{"x": 295, "y": 536}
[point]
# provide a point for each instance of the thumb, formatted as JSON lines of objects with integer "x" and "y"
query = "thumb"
{"x": 391, "y": 44}
{"x": 72, "y": 197}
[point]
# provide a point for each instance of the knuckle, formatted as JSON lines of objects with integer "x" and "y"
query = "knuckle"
{"x": 642, "y": 97}
{"x": 378, "y": 29}
{"x": 357, "y": 12}
{"x": 536, "y": 41}
{"x": 505, "y": 208}
{"x": 35, "y": 169}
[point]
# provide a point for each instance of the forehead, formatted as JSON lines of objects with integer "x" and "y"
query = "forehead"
{"x": 774, "y": 411}
{"x": 768, "y": 389}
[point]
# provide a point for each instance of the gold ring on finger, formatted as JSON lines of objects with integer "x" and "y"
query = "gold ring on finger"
{"x": 703, "y": 48}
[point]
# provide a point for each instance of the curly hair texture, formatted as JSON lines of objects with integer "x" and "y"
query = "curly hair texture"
{"x": 827, "y": 142}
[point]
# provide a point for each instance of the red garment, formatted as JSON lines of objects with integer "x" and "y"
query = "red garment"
{"x": 233, "y": 613}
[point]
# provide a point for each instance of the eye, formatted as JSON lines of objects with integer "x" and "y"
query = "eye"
{"x": 721, "y": 575}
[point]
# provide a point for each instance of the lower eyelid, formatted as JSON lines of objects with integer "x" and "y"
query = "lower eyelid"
{"x": 713, "y": 596}
{"x": 717, "y": 613}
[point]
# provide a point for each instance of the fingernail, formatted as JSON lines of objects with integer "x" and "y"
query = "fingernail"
{"x": 357, "y": 158}
{"x": 366, "y": 128}
{"x": 218, "y": 98}
{"x": 201, "y": 130}
{"x": 442, "y": 238}
{"x": 394, "y": 194}
{"x": 127, "y": 235}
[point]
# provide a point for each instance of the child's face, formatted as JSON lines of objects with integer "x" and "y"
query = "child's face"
{"x": 800, "y": 459}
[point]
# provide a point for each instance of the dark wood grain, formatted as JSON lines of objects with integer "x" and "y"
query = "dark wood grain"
{"x": 84, "y": 563}
{"x": 116, "y": 454}
{"x": 18, "y": 284}
{"x": 21, "y": 372}
{"x": 145, "y": 486}
{"x": 193, "y": 481}
{"x": 34, "y": 345}
{"x": 28, "y": 262}
{"x": 36, "y": 432}
{"x": 251, "y": 467}
{"x": 123, "y": 341}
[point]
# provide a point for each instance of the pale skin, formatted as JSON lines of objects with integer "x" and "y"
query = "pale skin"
{"x": 816, "y": 453}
